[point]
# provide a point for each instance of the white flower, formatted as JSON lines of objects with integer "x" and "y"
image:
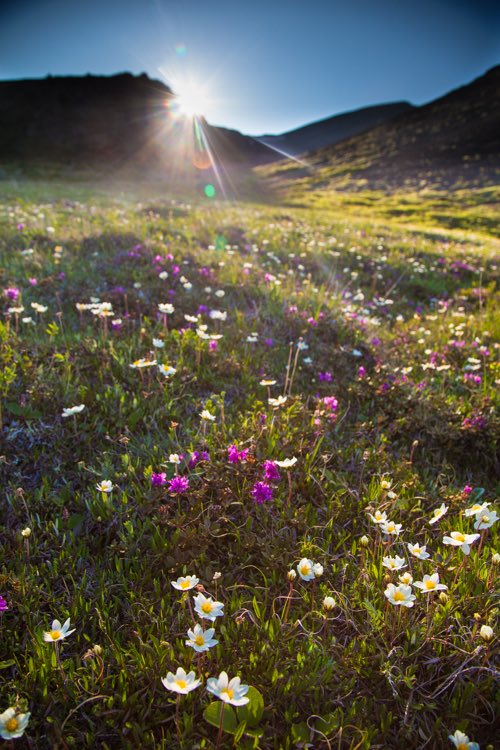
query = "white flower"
{"x": 267, "y": 382}
{"x": 400, "y": 595}
{"x": 105, "y": 486}
{"x": 158, "y": 343}
{"x": 277, "y": 401}
{"x": 378, "y": 516}
{"x": 174, "y": 458}
{"x": 305, "y": 569}
{"x": 486, "y": 632}
{"x": 462, "y": 742}
{"x": 476, "y": 509}
{"x": 13, "y": 724}
{"x": 286, "y": 463}
{"x": 26, "y": 533}
{"x": 163, "y": 275}
{"x": 430, "y": 583}
{"x": 406, "y": 578}
{"x": 389, "y": 527}
{"x": 39, "y": 308}
{"x": 180, "y": 682}
{"x": 166, "y": 370}
{"x": 329, "y": 603}
{"x": 207, "y": 608}
{"x": 58, "y": 632}
{"x": 457, "y": 539}
{"x": 140, "y": 363}
{"x": 438, "y": 513}
{"x": 166, "y": 309}
{"x": 191, "y": 318}
{"x": 394, "y": 563}
{"x": 71, "y": 410}
{"x": 317, "y": 570}
{"x": 229, "y": 691}
{"x": 201, "y": 640}
{"x": 418, "y": 551}
{"x": 205, "y": 414}
{"x": 486, "y": 519}
{"x": 184, "y": 583}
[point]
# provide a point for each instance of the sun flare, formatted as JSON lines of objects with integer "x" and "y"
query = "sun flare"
{"x": 192, "y": 99}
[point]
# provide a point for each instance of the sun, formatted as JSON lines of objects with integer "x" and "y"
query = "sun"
{"x": 192, "y": 99}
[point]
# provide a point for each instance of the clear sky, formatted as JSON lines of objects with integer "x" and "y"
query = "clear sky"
{"x": 265, "y": 66}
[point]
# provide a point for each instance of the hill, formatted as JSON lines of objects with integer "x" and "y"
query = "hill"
{"x": 453, "y": 141}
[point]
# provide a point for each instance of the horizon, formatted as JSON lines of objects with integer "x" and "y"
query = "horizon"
{"x": 337, "y": 57}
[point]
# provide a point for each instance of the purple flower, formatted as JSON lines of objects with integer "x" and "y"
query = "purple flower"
{"x": 178, "y": 485}
{"x": 196, "y": 457}
{"x": 12, "y": 292}
{"x": 3, "y": 604}
{"x": 268, "y": 342}
{"x": 262, "y": 492}
{"x": 361, "y": 371}
{"x": 213, "y": 346}
{"x": 325, "y": 376}
{"x": 467, "y": 489}
{"x": 330, "y": 403}
{"x": 271, "y": 472}
{"x": 235, "y": 456}
{"x": 157, "y": 479}
{"x": 33, "y": 281}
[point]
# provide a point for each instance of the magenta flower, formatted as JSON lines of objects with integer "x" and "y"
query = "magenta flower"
{"x": 467, "y": 489}
{"x": 235, "y": 456}
{"x": 196, "y": 457}
{"x": 325, "y": 376}
{"x": 12, "y": 292}
{"x": 271, "y": 473}
{"x": 213, "y": 346}
{"x": 361, "y": 371}
{"x": 178, "y": 485}
{"x": 262, "y": 492}
{"x": 3, "y": 604}
{"x": 330, "y": 403}
{"x": 157, "y": 479}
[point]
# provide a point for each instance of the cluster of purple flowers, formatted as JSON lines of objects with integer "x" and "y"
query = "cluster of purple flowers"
{"x": 325, "y": 377}
{"x": 12, "y": 292}
{"x": 178, "y": 485}
{"x": 3, "y": 604}
{"x": 469, "y": 377}
{"x": 271, "y": 473}
{"x": 262, "y": 492}
{"x": 330, "y": 403}
{"x": 196, "y": 457}
{"x": 235, "y": 456}
{"x": 158, "y": 478}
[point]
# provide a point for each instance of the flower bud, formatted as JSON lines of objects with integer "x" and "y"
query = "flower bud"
{"x": 97, "y": 649}
{"x": 477, "y": 616}
{"x": 495, "y": 558}
{"x": 328, "y": 603}
{"x": 486, "y": 633}
{"x": 317, "y": 570}
{"x": 26, "y": 532}
{"x": 291, "y": 575}
{"x": 364, "y": 541}
{"x": 443, "y": 597}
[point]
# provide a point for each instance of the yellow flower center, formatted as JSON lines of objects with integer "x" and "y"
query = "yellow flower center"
{"x": 304, "y": 569}
{"x": 485, "y": 519}
{"x": 463, "y": 746}
{"x": 185, "y": 584}
{"x": 437, "y": 511}
{"x": 429, "y": 585}
{"x": 55, "y": 634}
{"x": 12, "y": 724}
{"x": 399, "y": 596}
{"x": 416, "y": 550}
{"x": 229, "y": 693}
{"x": 459, "y": 537}
{"x": 206, "y": 607}
{"x": 199, "y": 640}
{"x": 475, "y": 507}
{"x": 182, "y": 683}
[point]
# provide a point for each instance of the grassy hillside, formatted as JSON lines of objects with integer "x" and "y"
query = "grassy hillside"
{"x": 355, "y": 339}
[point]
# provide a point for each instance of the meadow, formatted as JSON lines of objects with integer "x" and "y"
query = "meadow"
{"x": 273, "y": 426}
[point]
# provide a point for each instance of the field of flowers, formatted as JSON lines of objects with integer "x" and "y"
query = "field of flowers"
{"x": 249, "y": 471}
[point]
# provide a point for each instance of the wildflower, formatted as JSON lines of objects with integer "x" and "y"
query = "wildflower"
{"x": 166, "y": 370}
{"x": 235, "y": 456}
{"x": 166, "y": 309}
{"x": 291, "y": 575}
{"x": 271, "y": 473}
{"x": 26, "y": 533}
{"x": 207, "y": 608}
{"x": 394, "y": 563}
{"x": 105, "y": 486}
{"x": 476, "y": 509}
{"x": 262, "y": 492}
{"x": 406, "y": 578}
{"x": 71, "y": 410}
{"x": 400, "y": 595}
{"x": 207, "y": 416}
{"x": 3, "y": 605}
{"x": 158, "y": 344}
{"x": 140, "y": 363}
{"x": 467, "y": 489}
{"x": 229, "y": 691}
{"x": 385, "y": 484}
{"x": 430, "y": 583}
{"x": 201, "y": 640}
{"x": 318, "y": 570}
{"x": 462, "y": 742}
{"x": 184, "y": 583}
{"x": 364, "y": 541}
{"x": 378, "y": 517}
{"x": 277, "y": 401}
{"x": 438, "y": 513}
{"x": 58, "y": 632}
{"x": 495, "y": 558}
{"x": 158, "y": 478}
{"x": 286, "y": 463}
{"x": 13, "y": 724}
{"x": 389, "y": 527}
{"x": 39, "y": 308}
{"x": 457, "y": 539}
{"x": 180, "y": 682}
{"x": 486, "y": 632}
{"x": 267, "y": 382}
{"x": 328, "y": 603}
{"x": 305, "y": 569}
{"x": 174, "y": 458}
{"x": 178, "y": 485}
{"x": 486, "y": 519}
{"x": 418, "y": 551}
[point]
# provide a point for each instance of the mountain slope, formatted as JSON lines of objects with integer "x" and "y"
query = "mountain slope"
{"x": 331, "y": 130}
{"x": 451, "y": 142}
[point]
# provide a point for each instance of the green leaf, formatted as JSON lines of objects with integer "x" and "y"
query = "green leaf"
{"x": 7, "y": 663}
{"x": 240, "y": 731}
{"x": 212, "y": 715}
{"x": 252, "y": 712}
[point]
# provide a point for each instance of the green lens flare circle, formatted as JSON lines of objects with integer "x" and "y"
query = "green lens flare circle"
{"x": 209, "y": 191}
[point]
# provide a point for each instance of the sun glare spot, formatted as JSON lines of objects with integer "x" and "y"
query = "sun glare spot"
{"x": 192, "y": 99}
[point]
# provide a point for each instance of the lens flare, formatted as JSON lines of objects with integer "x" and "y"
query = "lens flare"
{"x": 192, "y": 98}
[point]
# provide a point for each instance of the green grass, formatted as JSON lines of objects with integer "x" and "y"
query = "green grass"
{"x": 404, "y": 286}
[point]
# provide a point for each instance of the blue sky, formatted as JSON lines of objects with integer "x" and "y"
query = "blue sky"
{"x": 264, "y": 67}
